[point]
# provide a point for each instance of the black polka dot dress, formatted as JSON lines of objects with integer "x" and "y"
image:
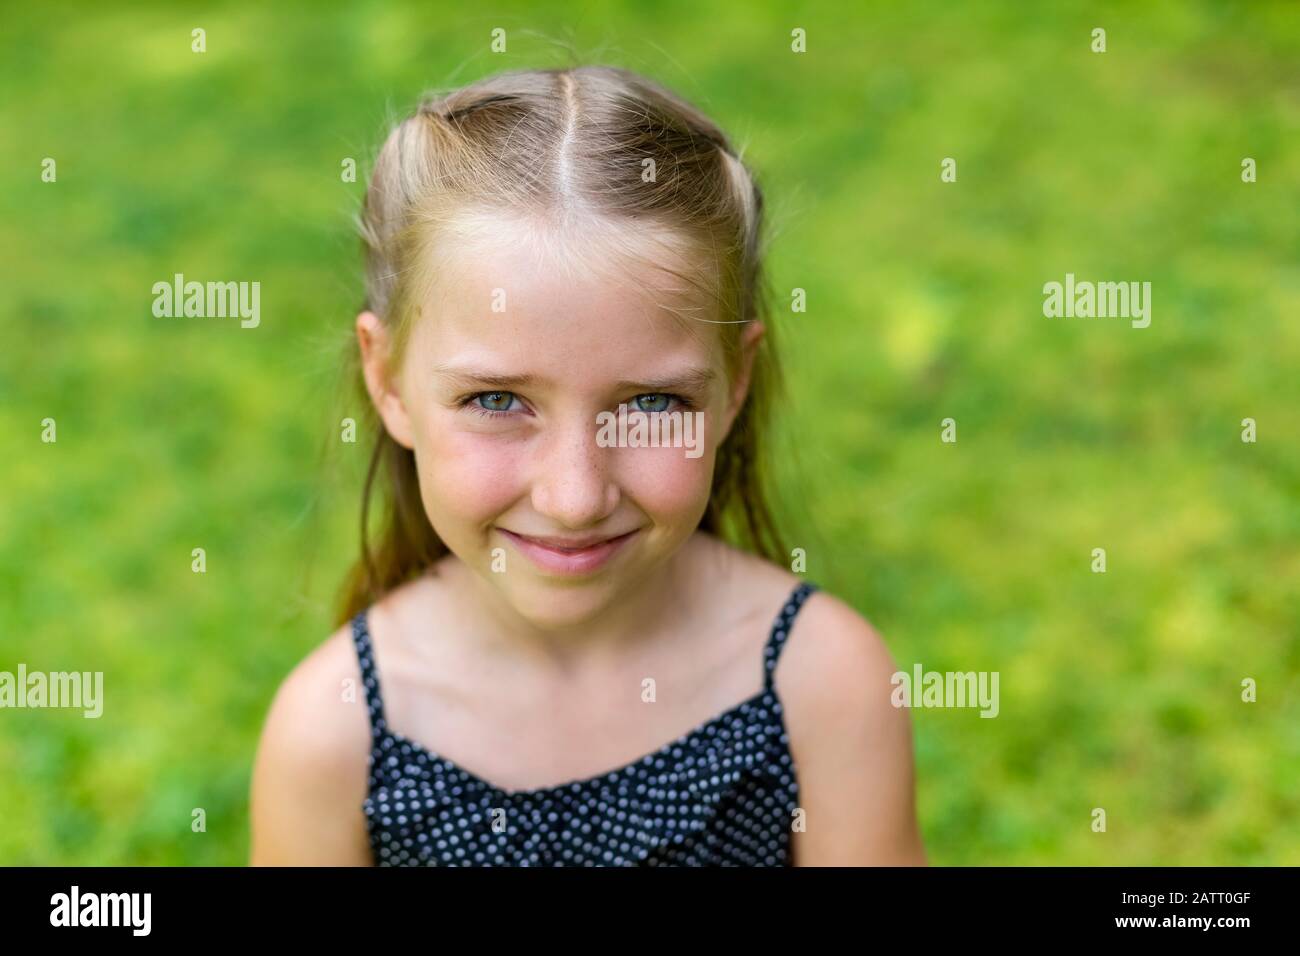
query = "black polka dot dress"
{"x": 724, "y": 794}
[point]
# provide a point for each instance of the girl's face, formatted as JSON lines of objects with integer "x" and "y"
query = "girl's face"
{"x": 507, "y": 370}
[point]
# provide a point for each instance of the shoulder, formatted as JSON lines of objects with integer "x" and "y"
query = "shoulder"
{"x": 836, "y": 660}
{"x": 851, "y": 746}
{"x": 318, "y": 713}
{"x": 835, "y": 673}
{"x": 311, "y": 770}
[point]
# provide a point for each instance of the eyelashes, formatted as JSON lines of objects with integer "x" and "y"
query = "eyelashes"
{"x": 480, "y": 403}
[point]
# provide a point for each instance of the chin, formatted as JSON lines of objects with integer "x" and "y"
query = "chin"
{"x": 556, "y": 604}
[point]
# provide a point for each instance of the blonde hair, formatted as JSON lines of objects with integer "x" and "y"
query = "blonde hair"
{"x": 567, "y": 146}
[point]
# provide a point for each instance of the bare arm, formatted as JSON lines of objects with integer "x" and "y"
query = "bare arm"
{"x": 310, "y": 775}
{"x": 852, "y": 748}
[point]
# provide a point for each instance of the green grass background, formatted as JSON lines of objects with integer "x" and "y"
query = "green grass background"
{"x": 1119, "y": 690}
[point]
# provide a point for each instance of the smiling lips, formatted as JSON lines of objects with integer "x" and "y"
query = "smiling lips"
{"x": 568, "y": 556}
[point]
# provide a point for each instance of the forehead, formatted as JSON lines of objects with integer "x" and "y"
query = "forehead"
{"x": 579, "y": 305}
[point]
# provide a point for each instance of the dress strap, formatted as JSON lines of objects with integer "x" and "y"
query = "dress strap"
{"x": 781, "y": 629}
{"x": 369, "y": 674}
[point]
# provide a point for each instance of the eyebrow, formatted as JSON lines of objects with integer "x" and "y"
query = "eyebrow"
{"x": 690, "y": 379}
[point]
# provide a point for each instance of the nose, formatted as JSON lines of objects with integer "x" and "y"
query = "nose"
{"x": 574, "y": 485}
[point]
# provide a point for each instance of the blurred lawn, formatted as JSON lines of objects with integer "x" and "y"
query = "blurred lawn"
{"x": 1119, "y": 691}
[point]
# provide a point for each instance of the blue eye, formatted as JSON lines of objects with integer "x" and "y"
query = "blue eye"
{"x": 659, "y": 401}
{"x": 490, "y": 404}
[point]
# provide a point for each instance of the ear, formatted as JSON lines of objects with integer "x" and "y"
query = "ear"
{"x": 749, "y": 339}
{"x": 381, "y": 382}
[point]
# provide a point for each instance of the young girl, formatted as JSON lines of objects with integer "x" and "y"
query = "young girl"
{"x": 553, "y": 657}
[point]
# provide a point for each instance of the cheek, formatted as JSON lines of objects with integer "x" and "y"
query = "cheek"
{"x": 464, "y": 475}
{"x": 664, "y": 482}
